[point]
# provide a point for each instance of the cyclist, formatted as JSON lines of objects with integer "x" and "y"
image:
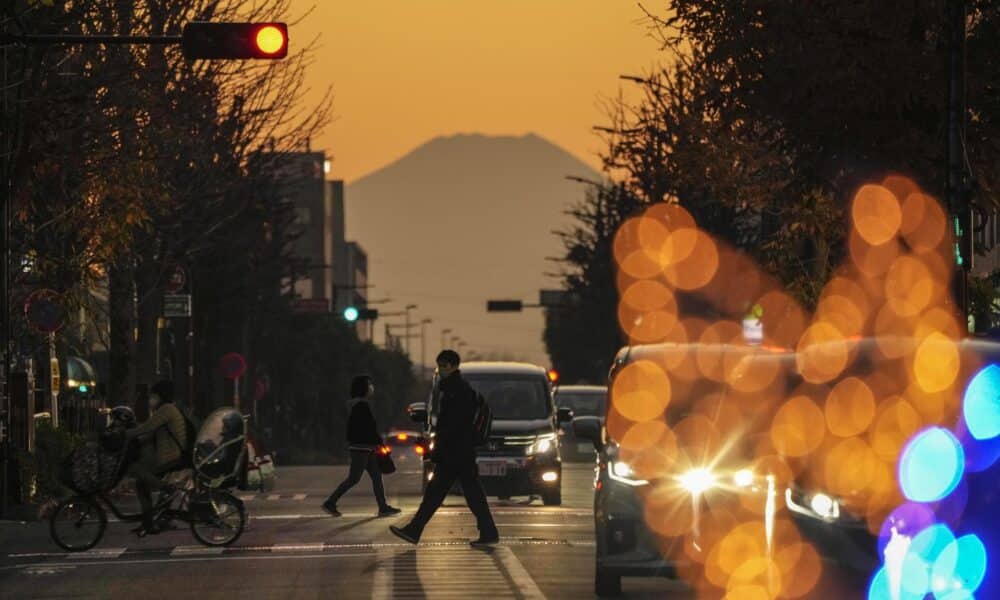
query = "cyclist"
{"x": 163, "y": 438}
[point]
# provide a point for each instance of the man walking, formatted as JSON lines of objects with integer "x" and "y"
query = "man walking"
{"x": 454, "y": 456}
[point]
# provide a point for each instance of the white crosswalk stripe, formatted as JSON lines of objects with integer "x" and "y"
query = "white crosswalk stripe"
{"x": 197, "y": 550}
{"x": 496, "y": 573}
{"x": 99, "y": 553}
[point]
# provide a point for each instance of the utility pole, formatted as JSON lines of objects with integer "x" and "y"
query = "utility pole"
{"x": 7, "y": 129}
{"x": 423, "y": 343}
{"x": 407, "y": 310}
{"x": 444, "y": 341}
{"x": 957, "y": 182}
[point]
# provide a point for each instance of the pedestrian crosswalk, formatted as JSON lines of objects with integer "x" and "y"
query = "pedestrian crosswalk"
{"x": 451, "y": 572}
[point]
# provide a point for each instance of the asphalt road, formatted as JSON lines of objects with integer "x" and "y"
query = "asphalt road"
{"x": 292, "y": 549}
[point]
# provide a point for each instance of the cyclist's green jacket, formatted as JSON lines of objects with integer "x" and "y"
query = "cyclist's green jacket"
{"x": 166, "y": 420}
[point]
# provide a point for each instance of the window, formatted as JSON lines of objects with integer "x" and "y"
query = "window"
{"x": 514, "y": 397}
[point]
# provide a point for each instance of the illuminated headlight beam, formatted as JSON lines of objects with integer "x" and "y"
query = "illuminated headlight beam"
{"x": 697, "y": 481}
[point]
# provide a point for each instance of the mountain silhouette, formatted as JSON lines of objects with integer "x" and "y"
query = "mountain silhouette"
{"x": 462, "y": 219}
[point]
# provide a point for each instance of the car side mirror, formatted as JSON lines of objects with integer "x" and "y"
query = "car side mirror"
{"x": 417, "y": 412}
{"x": 588, "y": 428}
{"x": 564, "y": 414}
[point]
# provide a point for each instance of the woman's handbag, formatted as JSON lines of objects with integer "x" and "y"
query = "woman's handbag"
{"x": 383, "y": 454}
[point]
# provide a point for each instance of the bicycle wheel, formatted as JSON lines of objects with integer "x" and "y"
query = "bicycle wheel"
{"x": 221, "y": 522}
{"x": 78, "y": 524}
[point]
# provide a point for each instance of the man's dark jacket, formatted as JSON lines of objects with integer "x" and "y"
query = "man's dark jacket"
{"x": 361, "y": 428}
{"x": 454, "y": 443}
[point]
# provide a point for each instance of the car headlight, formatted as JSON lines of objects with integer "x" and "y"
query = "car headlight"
{"x": 623, "y": 473}
{"x": 824, "y": 506}
{"x": 697, "y": 481}
{"x": 743, "y": 478}
{"x": 818, "y": 505}
{"x": 543, "y": 444}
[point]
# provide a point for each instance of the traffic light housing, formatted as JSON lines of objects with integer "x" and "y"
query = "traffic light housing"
{"x": 353, "y": 313}
{"x": 504, "y": 305}
{"x": 202, "y": 39}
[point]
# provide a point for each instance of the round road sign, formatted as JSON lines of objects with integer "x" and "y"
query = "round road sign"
{"x": 44, "y": 311}
{"x": 233, "y": 365}
{"x": 176, "y": 279}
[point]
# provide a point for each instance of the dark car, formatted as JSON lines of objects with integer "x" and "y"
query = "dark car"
{"x": 521, "y": 457}
{"x": 583, "y": 401}
{"x": 626, "y": 544}
{"x": 407, "y": 446}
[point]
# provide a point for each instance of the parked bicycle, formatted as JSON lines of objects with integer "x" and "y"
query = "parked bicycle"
{"x": 215, "y": 516}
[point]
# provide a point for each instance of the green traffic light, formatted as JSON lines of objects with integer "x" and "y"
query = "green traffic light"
{"x": 83, "y": 389}
{"x": 351, "y": 314}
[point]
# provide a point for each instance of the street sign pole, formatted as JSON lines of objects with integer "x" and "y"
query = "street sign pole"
{"x": 54, "y": 380}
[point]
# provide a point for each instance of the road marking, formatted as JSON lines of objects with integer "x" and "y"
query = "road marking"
{"x": 274, "y": 497}
{"x": 299, "y": 497}
{"x": 298, "y": 547}
{"x": 553, "y": 525}
{"x": 382, "y": 582}
{"x": 526, "y": 586}
{"x": 438, "y": 544}
{"x": 440, "y": 513}
{"x": 436, "y": 572}
{"x": 92, "y": 554}
{"x": 224, "y": 557}
{"x": 247, "y": 498}
{"x": 495, "y": 573}
{"x": 196, "y": 550}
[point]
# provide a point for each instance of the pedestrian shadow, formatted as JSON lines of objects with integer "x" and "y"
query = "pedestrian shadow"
{"x": 344, "y": 528}
{"x": 404, "y": 573}
{"x": 406, "y": 580}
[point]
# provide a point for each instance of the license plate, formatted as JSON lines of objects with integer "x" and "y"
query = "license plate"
{"x": 492, "y": 469}
{"x": 584, "y": 447}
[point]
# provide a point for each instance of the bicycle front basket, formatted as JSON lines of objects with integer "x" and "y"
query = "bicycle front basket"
{"x": 91, "y": 469}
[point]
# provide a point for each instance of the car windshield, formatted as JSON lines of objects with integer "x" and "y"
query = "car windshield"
{"x": 513, "y": 397}
{"x": 583, "y": 404}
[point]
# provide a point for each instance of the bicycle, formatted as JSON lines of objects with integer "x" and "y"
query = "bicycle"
{"x": 215, "y": 516}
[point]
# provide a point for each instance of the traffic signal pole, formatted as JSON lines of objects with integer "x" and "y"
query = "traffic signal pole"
{"x": 957, "y": 183}
{"x": 7, "y": 130}
{"x": 199, "y": 40}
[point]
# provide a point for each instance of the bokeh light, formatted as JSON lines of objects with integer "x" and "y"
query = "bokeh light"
{"x": 876, "y": 214}
{"x": 981, "y": 404}
{"x": 931, "y": 465}
{"x": 850, "y": 407}
{"x": 961, "y": 566}
{"x": 641, "y": 391}
{"x": 855, "y": 400}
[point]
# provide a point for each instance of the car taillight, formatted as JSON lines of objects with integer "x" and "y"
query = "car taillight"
{"x": 420, "y": 449}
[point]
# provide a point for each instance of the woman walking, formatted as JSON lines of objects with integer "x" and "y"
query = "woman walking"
{"x": 364, "y": 440}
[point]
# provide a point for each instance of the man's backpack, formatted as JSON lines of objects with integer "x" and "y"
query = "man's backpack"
{"x": 482, "y": 420}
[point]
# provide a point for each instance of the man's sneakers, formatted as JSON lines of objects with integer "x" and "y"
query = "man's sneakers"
{"x": 485, "y": 542}
{"x": 331, "y": 509}
{"x": 404, "y": 533}
{"x": 388, "y": 511}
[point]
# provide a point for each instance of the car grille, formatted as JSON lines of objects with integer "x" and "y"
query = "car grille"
{"x": 516, "y": 445}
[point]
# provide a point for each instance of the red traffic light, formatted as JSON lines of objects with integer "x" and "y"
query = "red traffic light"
{"x": 271, "y": 39}
{"x": 203, "y": 39}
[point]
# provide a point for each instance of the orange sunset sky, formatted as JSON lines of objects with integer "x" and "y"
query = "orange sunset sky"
{"x": 405, "y": 71}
